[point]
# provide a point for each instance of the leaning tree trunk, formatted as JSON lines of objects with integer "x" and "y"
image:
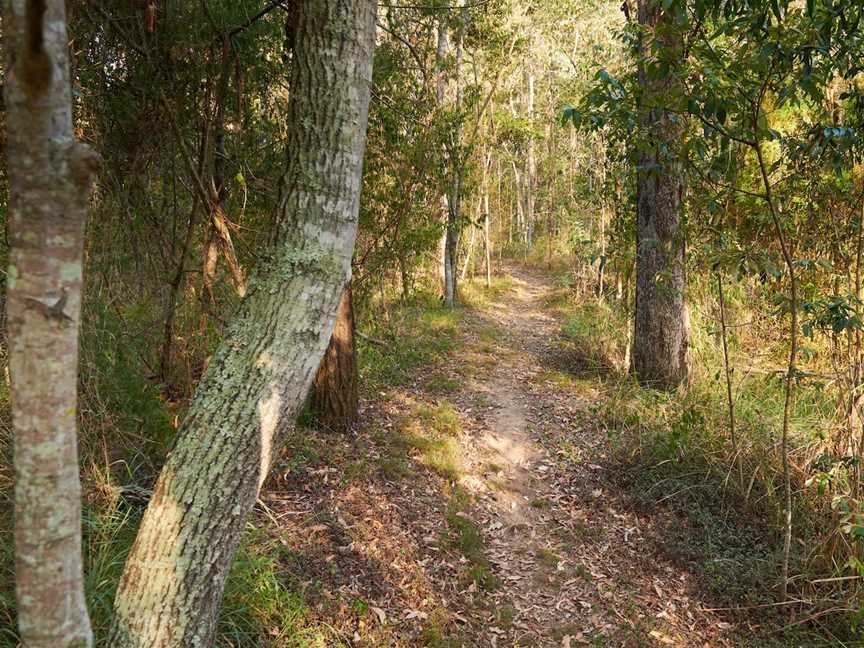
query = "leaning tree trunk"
{"x": 247, "y": 400}
{"x": 49, "y": 184}
{"x": 660, "y": 349}
{"x": 335, "y": 396}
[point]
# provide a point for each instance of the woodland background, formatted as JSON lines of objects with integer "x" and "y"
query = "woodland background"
{"x": 530, "y": 118}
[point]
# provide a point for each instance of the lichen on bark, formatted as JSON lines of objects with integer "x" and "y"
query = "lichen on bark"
{"x": 49, "y": 180}
{"x": 258, "y": 379}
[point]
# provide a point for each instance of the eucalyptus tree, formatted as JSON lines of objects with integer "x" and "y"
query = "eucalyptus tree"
{"x": 260, "y": 375}
{"x": 662, "y": 327}
{"x": 641, "y": 111}
{"x": 750, "y": 113}
{"x": 50, "y": 176}
{"x": 450, "y": 92}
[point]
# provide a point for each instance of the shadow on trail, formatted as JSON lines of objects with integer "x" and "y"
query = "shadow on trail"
{"x": 524, "y": 541}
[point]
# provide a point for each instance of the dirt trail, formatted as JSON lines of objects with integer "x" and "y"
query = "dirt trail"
{"x": 542, "y": 552}
{"x": 576, "y": 567}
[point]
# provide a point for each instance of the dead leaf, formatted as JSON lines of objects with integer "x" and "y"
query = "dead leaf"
{"x": 382, "y": 617}
{"x": 318, "y": 528}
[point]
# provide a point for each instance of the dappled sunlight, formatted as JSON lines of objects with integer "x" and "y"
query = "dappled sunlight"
{"x": 147, "y": 611}
{"x": 460, "y": 504}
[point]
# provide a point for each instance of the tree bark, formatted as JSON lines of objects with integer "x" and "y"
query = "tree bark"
{"x": 661, "y": 336}
{"x": 246, "y": 402}
{"x": 469, "y": 253}
{"x": 335, "y": 396}
{"x": 441, "y": 53}
{"x": 530, "y": 177}
{"x": 453, "y": 222}
{"x": 487, "y": 241}
{"x": 50, "y": 175}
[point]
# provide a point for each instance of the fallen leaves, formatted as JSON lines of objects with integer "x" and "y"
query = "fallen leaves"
{"x": 571, "y": 560}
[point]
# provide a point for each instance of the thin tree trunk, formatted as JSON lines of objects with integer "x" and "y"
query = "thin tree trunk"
{"x": 469, "y": 254}
{"x": 553, "y": 185}
{"x": 451, "y": 244}
{"x": 454, "y": 216}
{"x": 246, "y": 402}
{"x": 858, "y": 358}
{"x": 50, "y": 176}
{"x": 173, "y": 296}
{"x": 601, "y": 270}
{"x": 661, "y": 336}
{"x": 441, "y": 54}
{"x": 335, "y": 396}
{"x": 487, "y": 242}
{"x": 530, "y": 158}
{"x": 520, "y": 215}
{"x": 791, "y": 375}
{"x": 730, "y": 398}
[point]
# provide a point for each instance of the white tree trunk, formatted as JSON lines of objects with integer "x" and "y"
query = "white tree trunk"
{"x": 49, "y": 181}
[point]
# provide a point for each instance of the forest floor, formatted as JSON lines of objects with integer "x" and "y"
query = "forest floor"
{"x": 474, "y": 508}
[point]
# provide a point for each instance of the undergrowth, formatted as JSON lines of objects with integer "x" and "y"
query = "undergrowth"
{"x": 405, "y": 336}
{"x": 721, "y": 510}
{"x": 128, "y": 423}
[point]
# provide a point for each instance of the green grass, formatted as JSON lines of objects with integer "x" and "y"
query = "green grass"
{"x": 596, "y": 334}
{"x": 464, "y": 535}
{"x": 672, "y": 454}
{"x": 558, "y": 378}
{"x": 475, "y": 292}
{"x": 419, "y": 332}
{"x": 442, "y": 385}
{"x": 262, "y": 607}
{"x": 119, "y": 406}
{"x": 431, "y": 433}
{"x": 441, "y": 418}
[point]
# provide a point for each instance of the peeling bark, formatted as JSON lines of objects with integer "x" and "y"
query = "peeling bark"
{"x": 50, "y": 176}
{"x": 246, "y": 402}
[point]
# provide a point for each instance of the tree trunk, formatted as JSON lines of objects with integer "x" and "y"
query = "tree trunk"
{"x": 530, "y": 159}
{"x": 552, "y": 199}
{"x": 601, "y": 267}
{"x": 454, "y": 158}
{"x": 451, "y": 244}
{"x": 661, "y": 336}
{"x": 50, "y": 175}
{"x": 487, "y": 242}
{"x": 335, "y": 393}
{"x": 469, "y": 253}
{"x": 247, "y": 400}
{"x": 441, "y": 53}
{"x": 520, "y": 216}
